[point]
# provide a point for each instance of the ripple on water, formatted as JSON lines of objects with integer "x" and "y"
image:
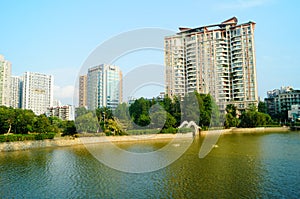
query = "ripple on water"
{"x": 244, "y": 166}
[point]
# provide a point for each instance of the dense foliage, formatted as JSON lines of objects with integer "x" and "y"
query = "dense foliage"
{"x": 164, "y": 115}
{"x": 143, "y": 116}
{"x": 249, "y": 118}
{"x": 23, "y": 137}
{"x": 253, "y": 118}
{"x": 20, "y": 124}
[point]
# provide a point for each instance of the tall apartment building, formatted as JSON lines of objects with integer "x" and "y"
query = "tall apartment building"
{"x": 83, "y": 91}
{"x": 104, "y": 86}
{"x": 5, "y": 74}
{"x": 217, "y": 59}
{"x": 37, "y": 92}
{"x": 16, "y": 91}
{"x": 280, "y": 101}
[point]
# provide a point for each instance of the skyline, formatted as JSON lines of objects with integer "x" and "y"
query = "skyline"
{"x": 57, "y": 37}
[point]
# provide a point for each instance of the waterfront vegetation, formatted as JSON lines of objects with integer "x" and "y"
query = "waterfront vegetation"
{"x": 143, "y": 116}
{"x": 20, "y": 125}
{"x": 24, "y": 137}
{"x": 249, "y": 118}
{"x": 164, "y": 115}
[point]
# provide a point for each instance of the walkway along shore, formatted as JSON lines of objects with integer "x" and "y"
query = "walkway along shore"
{"x": 70, "y": 141}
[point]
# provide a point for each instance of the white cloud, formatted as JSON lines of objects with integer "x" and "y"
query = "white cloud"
{"x": 65, "y": 93}
{"x": 241, "y": 4}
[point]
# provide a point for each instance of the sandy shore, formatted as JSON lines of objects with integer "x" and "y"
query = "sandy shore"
{"x": 69, "y": 141}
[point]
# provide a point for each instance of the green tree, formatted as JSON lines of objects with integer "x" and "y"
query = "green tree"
{"x": 7, "y": 118}
{"x": 262, "y": 107}
{"x": 251, "y": 118}
{"x": 190, "y": 108}
{"x": 231, "y": 119}
{"x": 231, "y": 109}
{"x": 87, "y": 123}
{"x": 81, "y": 111}
{"x": 158, "y": 119}
{"x": 42, "y": 124}
{"x": 139, "y": 112}
{"x": 170, "y": 122}
{"x": 24, "y": 122}
{"x": 103, "y": 115}
{"x": 69, "y": 128}
{"x": 114, "y": 127}
{"x": 143, "y": 120}
{"x": 123, "y": 116}
{"x": 176, "y": 110}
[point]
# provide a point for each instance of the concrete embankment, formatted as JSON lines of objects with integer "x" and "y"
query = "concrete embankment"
{"x": 259, "y": 130}
{"x": 60, "y": 142}
{"x": 69, "y": 141}
{"x": 25, "y": 145}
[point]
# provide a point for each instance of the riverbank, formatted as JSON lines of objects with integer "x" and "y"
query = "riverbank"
{"x": 257, "y": 130}
{"x": 70, "y": 141}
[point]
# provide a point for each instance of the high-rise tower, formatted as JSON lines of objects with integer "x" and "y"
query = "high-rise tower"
{"x": 104, "y": 86}
{"x": 217, "y": 59}
{"x": 5, "y": 74}
{"x": 37, "y": 92}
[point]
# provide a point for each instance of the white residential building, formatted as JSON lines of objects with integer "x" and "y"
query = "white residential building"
{"x": 16, "y": 91}
{"x": 5, "y": 74}
{"x": 37, "y": 92}
{"x": 216, "y": 59}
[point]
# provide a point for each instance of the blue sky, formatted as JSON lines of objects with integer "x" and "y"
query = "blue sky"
{"x": 56, "y": 37}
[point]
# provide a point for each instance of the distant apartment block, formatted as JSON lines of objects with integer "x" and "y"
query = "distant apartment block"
{"x": 63, "y": 112}
{"x": 104, "y": 86}
{"x": 280, "y": 101}
{"x": 5, "y": 74}
{"x": 294, "y": 113}
{"x": 83, "y": 91}
{"x": 37, "y": 92}
{"x": 16, "y": 92}
{"x": 216, "y": 59}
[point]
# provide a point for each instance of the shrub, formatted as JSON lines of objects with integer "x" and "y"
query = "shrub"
{"x": 169, "y": 130}
{"x": 23, "y": 137}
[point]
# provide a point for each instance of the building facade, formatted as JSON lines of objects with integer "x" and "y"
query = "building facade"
{"x": 5, "y": 75}
{"x": 37, "y": 92}
{"x": 294, "y": 113}
{"x": 280, "y": 101}
{"x": 104, "y": 86}
{"x": 216, "y": 59}
{"x": 16, "y": 91}
{"x": 82, "y": 91}
{"x": 63, "y": 112}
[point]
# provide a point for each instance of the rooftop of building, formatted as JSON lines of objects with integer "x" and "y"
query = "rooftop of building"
{"x": 282, "y": 90}
{"x": 233, "y": 21}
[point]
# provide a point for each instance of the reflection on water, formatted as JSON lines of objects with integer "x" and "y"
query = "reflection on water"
{"x": 252, "y": 166}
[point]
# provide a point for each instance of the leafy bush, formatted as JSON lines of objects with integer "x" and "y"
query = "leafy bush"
{"x": 42, "y": 136}
{"x": 169, "y": 130}
{"x": 23, "y": 137}
{"x": 142, "y": 131}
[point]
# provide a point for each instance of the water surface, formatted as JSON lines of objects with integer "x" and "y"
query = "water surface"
{"x": 242, "y": 166}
